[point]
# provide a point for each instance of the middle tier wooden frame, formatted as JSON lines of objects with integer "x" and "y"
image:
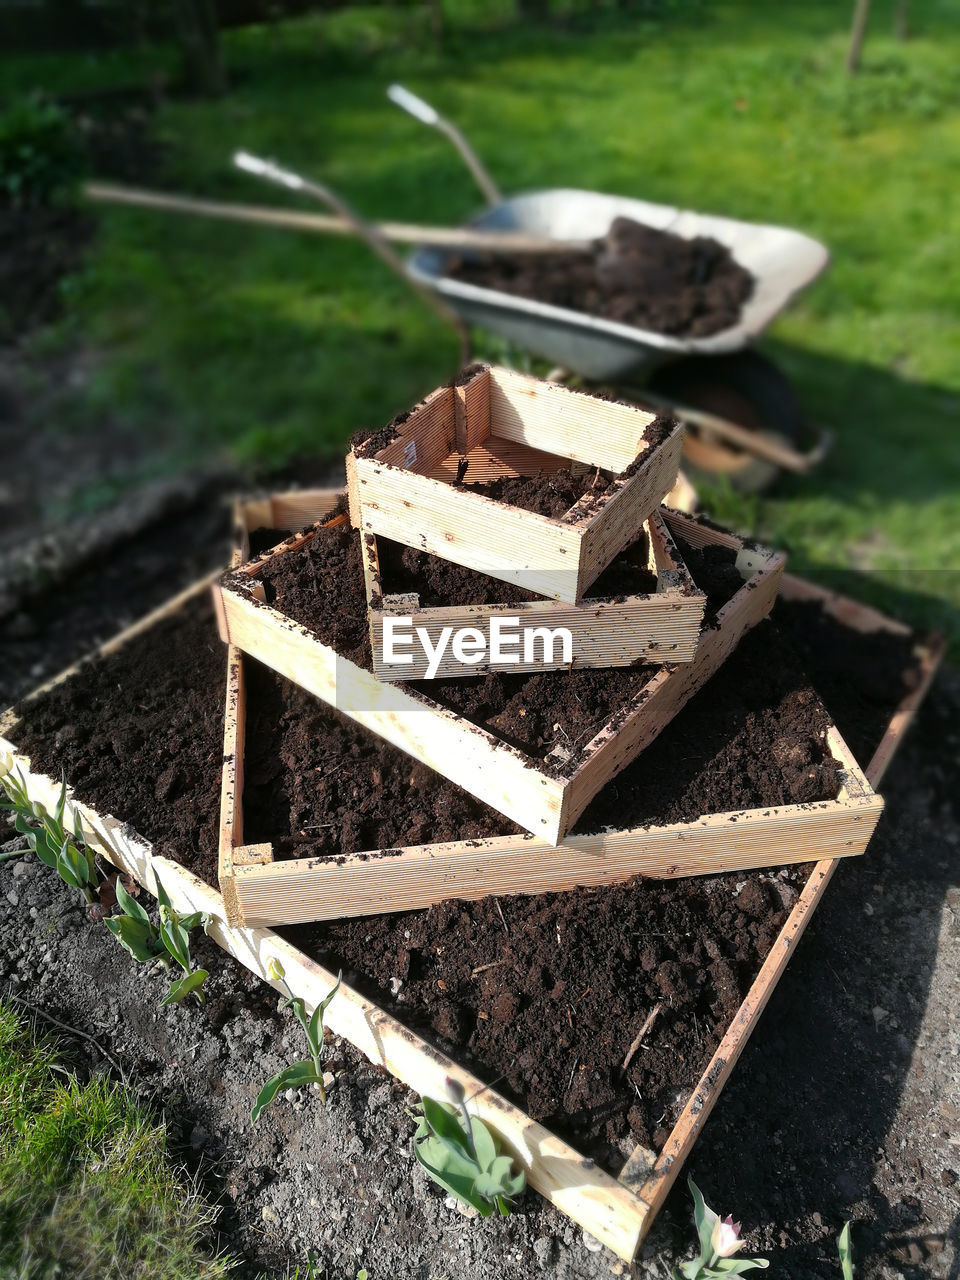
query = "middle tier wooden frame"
{"x": 544, "y": 798}
{"x": 258, "y": 891}
{"x": 660, "y": 626}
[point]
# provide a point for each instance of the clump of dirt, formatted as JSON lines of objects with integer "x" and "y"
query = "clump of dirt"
{"x": 546, "y": 495}
{"x": 546, "y": 994}
{"x": 636, "y": 275}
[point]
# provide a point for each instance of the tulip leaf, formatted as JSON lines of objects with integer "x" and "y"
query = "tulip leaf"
{"x": 292, "y": 1077}
{"x": 137, "y": 936}
{"x": 129, "y": 905}
{"x": 705, "y": 1218}
{"x": 189, "y": 984}
{"x": 468, "y": 1165}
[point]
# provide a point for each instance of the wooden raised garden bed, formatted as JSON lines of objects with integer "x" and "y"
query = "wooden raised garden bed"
{"x": 544, "y": 796}
{"x": 618, "y": 1210}
{"x": 501, "y": 423}
{"x": 659, "y": 626}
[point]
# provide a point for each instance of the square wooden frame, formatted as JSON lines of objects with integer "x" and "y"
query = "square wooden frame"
{"x": 544, "y": 802}
{"x": 660, "y": 626}
{"x": 616, "y": 1210}
{"x": 504, "y": 422}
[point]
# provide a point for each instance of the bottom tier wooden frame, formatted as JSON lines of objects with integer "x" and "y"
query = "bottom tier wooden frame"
{"x": 616, "y": 1210}
{"x": 259, "y": 891}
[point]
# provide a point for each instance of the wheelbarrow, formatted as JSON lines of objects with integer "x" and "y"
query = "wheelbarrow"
{"x": 744, "y": 418}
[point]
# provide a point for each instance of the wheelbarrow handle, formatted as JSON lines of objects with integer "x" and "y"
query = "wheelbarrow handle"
{"x": 422, "y": 111}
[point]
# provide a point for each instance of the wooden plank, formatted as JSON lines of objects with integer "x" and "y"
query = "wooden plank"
{"x": 516, "y": 546}
{"x": 425, "y": 436}
{"x": 302, "y": 890}
{"x": 472, "y": 412}
{"x": 655, "y": 627}
{"x": 493, "y": 458}
{"x": 399, "y": 497}
{"x": 370, "y": 882}
{"x": 568, "y": 423}
{"x": 622, "y": 512}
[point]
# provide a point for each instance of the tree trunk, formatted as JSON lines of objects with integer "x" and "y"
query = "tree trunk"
{"x": 858, "y": 31}
{"x": 198, "y": 34}
{"x": 900, "y": 20}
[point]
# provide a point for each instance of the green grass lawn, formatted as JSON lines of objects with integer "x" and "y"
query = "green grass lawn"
{"x": 87, "y": 1187}
{"x": 275, "y": 345}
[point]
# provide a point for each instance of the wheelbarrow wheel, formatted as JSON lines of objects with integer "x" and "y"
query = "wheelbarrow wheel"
{"x": 748, "y": 389}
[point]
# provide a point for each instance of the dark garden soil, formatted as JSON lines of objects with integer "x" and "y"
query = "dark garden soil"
{"x": 321, "y": 586}
{"x": 824, "y": 1088}
{"x": 556, "y": 494}
{"x": 883, "y": 663}
{"x": 636, "y": 275}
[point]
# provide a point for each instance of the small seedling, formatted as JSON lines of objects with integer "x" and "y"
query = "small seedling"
{"x": 719, "y": 1241}
{"x": 845, "y": 1250}
{"x": 63, "y": 851}
{"x": 464, "y": 1156}
{"x": 137, "y": 933}
{"x": 309, "y": 1070}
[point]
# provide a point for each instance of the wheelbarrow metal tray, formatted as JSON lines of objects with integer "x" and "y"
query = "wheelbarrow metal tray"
{"x": 660, "y": 626}
{"x": 619, "y": 1211}
{"x": 545, "y": 797}
{"x": 782, "y": 262}
{"x": 407, "y": 490}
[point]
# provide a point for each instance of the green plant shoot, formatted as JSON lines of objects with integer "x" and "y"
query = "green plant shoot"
{"x": 309, "y": 1071}
{"x": 63, "y": 851}
{"x": 464, "y": 1156}
{"x": 845, "y": 1250}
{"x": 719, "y": 1241}
{"x": 138, "y": 935}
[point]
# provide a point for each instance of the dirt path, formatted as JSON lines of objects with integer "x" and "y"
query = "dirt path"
{"x": 846, "y": 1103}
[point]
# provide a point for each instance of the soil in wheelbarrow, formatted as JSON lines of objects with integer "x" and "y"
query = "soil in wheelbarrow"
{"x": 635, "y": 274}
{"x": 321, "y": 586}
{"x": 549, "y": 991}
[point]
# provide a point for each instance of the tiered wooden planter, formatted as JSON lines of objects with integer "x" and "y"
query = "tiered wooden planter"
{"x": 502, "y": 423}
{"x": 259, "y": 891}
{"x": 544, "y": 801}
{"x": 617, "y": 1210}
{"x": 662, "y": 626}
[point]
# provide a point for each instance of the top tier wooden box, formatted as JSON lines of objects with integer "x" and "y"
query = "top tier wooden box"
{"x": 506, "y": 424}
